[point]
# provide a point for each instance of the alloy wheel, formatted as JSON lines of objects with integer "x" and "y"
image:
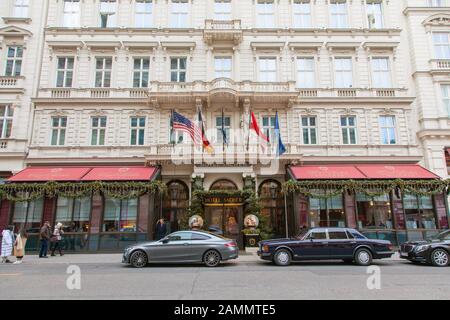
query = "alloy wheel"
{"x": 138, "y": 259}
{"x": 282, "y": 258}
{"x": 211, "y": 258}
{"x": 439, "y": 258}
{"x": 363, "y": 257}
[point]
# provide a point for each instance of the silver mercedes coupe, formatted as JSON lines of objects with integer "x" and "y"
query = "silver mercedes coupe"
{"x": 183, "y": 247}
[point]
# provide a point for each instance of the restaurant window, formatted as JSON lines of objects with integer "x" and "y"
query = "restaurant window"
{"x": 20, "y": 9}
{"x": 387, "y": 127}
{"x": 120, "y": 215}
{"x": 306, "y": 73}
{"x": 374, "y": 212}
{"x": 71, "y": 13}
{"x": 74, "y": 213}
{"x": 338, "y": 14}
{"x": 178, "y": 69}
{"x": 179, "y": 14}
{"x": 272, "y": 202}
{"x": 326, "y": 212}
{"x": 144, "y": 14}
{"x": 6, "y": 119}
{"x": 141, "y": 70}
{"x": 175, "y": 204}
{"x": 98, "y": 131}
{"x": 267, "y": 69}
{"x": 59, "y": 125}
{"x": 302, "y": 14}
{"x": 28, "y": 214}
{"x": 222, "y": 67}
{"x": 445, "y": 90}
{"x": 348, "y": 127}
{"x": 441, "y": 41}
{"x": 343, "y": 73}
{"x": 103, "y": 67}
{"x": 108, "y": 14}
{"x": 309, "y": 130}
{"x": 374, "y": 14}
{"x": 381, "y": 73}
{"x": 14, "y": 61}
{"x": 64, "y": 73}
{"x": 419, "y": 211}
{"x": 222, "y": 10}
{"x": 265, "y": 11}
{"x": 137, "y": 135}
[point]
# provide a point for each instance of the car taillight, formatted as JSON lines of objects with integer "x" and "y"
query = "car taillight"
{"x": 230, "y": 244}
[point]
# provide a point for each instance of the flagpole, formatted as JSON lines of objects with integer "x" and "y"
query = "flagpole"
{"x": 172, "y": 142}
{"x": 248, "y": 136}
{"x": 223, "y": 133}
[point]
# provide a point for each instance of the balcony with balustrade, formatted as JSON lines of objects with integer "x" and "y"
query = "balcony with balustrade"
{"x": 440, "y": 66}
{"x": 12, "y": 84}
{"x": 223, "y": 31}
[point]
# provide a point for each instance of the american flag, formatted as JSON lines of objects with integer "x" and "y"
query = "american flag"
{"x": 180, "y": 122}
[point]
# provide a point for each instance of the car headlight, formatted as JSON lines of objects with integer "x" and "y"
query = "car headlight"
{"x": 422, "y": 248}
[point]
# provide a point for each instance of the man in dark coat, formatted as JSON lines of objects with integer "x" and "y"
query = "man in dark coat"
{"x": 44, "y": 237}
{"x": 161, "y": 229}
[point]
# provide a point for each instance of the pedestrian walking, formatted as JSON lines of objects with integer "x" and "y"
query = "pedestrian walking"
{"x": 7, "y": 243}
{"x": 161, "y": 229}
{"x": 56, "y": 239}
{"x": 44, "y": 237}
{"x": 19, "y": 245}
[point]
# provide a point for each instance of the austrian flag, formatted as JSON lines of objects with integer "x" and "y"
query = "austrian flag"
{"x": 254, "y": 126}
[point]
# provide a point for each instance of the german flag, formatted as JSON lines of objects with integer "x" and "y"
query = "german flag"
{"x": 206, "y": 144}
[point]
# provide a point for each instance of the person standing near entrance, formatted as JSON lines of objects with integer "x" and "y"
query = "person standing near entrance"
{"x": 56, "y": 239}
{"x": 19, "y": 245}
{"x": 44, "y": 237}
{"x": 161, "y": 229}
{"x": 7, "y": 243}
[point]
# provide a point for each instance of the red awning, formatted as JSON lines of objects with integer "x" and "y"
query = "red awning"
{"x": 39, "y": 174}
{"x": 398, "y": 171}
{"x": 120, "y": 174}
{"x": 326, "y": 172}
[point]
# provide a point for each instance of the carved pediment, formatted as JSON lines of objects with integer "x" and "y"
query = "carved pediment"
{"x": 13, "y": 31}
{"x": 438, "y": 20}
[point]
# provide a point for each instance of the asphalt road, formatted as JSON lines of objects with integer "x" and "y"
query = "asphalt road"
{"x": 104, "y": 277}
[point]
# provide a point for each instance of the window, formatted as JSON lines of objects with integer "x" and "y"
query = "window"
{"x": 272, "y": 202}
{"x": 327, "y": 212}
{"x": 6, "y": 119}
{"x": 387, "y": 127}
{"x": 74, "y": 214}
{"x": 306, "y": 73}
{"x": 181, "y": 236}
{"x": 14, "y": 61}
{"x": 178, "y": 69}
{"x": 20, "y": 9}
{"x": 59, "y": 125}
{"x": 374, "y": 212}
{"x": 268, "y": 127}
{"x": 222, "y": 67}
{"x": 64, "y": 74}
{"x": 267, "y": 69}
{"x": 198, "y": 236}
{"x": 445, "y": 89}
{"x": 374, "y": 14}
{"x": 223, "y": 136}
{"x": 302, "y": 14}
{"x": 120, "y": 215}
{"x": 98, "y": 131}
{"x": 222, "y": 10}
{"x": 28, "y": 214}
{"x": 343, "y": 72}
{"x": 71, "y": 13}
{"x": 137, "y": 131}
{"x": 319, "y": 235}
{"x": 309, "y": 130}
{"x": 348, "y": 127}
{"x": 175, "y": 204}
{"x": 103, "y": 67}
{"x": 265, "y": 14}
{"x": 141, "y": 70}
{"x": 419, "y": 212}
{"x": 108, "y": 13}
{"x": 337, "y": 235}
{"x": 441, "y": 41}
{"x": 338, "y": 14}
{"x": 177, "y": 136}
{"x": 144, "y": 11}
{"x": 179, "y": 14}
{"x": 381, "y": 73}
{"x": 437, "y": 3}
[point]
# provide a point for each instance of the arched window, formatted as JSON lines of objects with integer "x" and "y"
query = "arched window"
{"x": 175, "y": 204}
{"x": 223, "y": 184}
{"x": 272, "y": 201}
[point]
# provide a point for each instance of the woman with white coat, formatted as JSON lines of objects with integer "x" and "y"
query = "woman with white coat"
{"x": 7, "y": 243}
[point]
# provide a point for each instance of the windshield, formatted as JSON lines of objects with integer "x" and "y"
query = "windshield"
{"x": 442, "y": 236}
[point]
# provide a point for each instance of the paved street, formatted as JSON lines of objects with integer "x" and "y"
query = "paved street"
{"x": 104, "y": 277}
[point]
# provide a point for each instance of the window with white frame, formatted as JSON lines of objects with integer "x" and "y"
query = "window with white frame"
{"x": 71, "y": 13}
{"x": 437, "y": 3}
{"x": 268, "y": 127}
{"x": 20, "y": 9}
{"x": 302, "y": 14}
{"x": 143, "y": 14}
{"x": 338, "y": 14}
{"x": 381, "y": 73}
{"x": 98, "y": 130}
{"x": 103, "y": 68}
{"x": 178, "y": 69}
{"x": 343, "y": 72}
{"x": 141, "y": 70}
{"x": 226, "y": 125}
{"x": 222, "y": 67}
{"x": 441, "y": 42}
{"x": 59, "y": 125}
{"x": 222, "y": 10}
{"x": 388, "y": 131}
{"x": 108, "y": 13}
{"x": 137, "y": 132}
{"x": 265, "y": 11}
{"x": 6, "y": 119}
{"x": 306, "y": 72}
{"x": 374, "y": 9}
{"x": 309, "y": 130}
{"x": 445, "y": 89}
{"x": 267, "y": 69}
{"x": 14, "y": 61}
{"x": 64, "y": 73}
{"x": 179, "y": 14}
{"x": 348, "y": 128}
{"x": 177, "y": 136}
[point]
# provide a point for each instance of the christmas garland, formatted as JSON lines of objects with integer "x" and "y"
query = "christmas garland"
{"x": 120, "y": 190}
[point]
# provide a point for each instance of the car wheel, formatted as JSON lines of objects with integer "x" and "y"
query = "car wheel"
{"x": 211, "y": 258}
{"x": 282, "y": 257}
{"x": 363, "y": 257}
{"x": 439, "y": 258}
{"x": 138, "y": 259}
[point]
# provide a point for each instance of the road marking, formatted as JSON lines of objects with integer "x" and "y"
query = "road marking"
{"x": 10, "y": 274}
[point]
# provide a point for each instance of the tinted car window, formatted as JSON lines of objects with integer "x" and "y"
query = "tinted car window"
{"x": 357, "y": 235}
{"x": 180, "y": 236}
{"x": 318, "y": 235}
{"x": 350, "y": 235}
{"x": 197, "y": 236}
{"x": 337, "y": 235}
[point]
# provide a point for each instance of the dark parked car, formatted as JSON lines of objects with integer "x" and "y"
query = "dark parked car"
{"x": 435, "y": 251}
{"x": 326, "y": 244}
{"x": 183, "y": 247}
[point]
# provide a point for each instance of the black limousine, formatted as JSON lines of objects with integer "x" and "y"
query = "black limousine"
{"x": 325, "y": 244}
{"x": 435, "y": 250}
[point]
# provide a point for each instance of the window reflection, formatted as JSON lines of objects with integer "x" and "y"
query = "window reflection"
{"x": 374, "y": 212}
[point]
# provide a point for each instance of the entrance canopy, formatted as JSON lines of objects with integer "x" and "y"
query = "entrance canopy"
{"x": 363, "y": 171}
{"x": 43, "y": 174}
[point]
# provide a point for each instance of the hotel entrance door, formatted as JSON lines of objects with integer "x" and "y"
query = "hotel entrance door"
{"x": 228, "y": 219}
